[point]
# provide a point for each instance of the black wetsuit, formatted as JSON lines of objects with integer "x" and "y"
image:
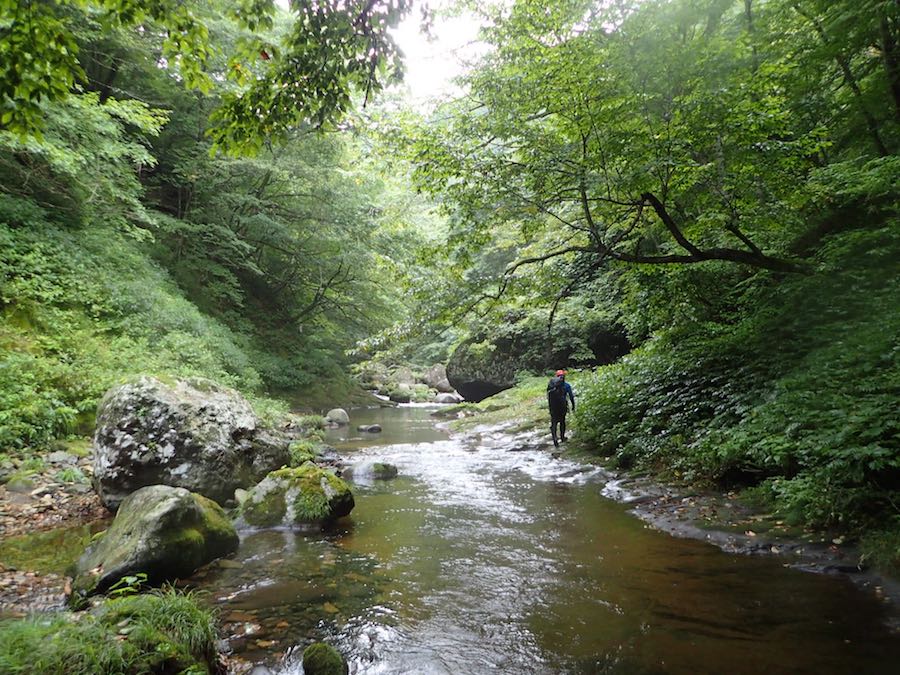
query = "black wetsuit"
{"x": 559, "y": 406}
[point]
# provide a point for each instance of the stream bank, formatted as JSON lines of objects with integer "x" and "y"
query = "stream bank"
{"x": 486, "y": 553}
{"x": 721, "y": 518}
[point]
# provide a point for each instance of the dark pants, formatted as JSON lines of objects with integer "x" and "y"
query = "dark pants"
{"x": 558, "y": 419}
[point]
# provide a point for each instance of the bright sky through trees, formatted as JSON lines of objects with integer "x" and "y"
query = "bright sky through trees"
{"x": 432, "y": 64}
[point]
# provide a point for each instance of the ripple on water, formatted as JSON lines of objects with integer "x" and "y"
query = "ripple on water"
{"x": 487, "y": 555}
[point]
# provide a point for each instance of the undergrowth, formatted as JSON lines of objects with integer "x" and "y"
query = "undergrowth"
{"x": 798, "y": 399}
{"x": 161, "y": 632}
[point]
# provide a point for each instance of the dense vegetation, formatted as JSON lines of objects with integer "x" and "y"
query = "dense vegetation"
{"x": 720, "y": 180}
{"x": 127, "y": 245}
{"x": 161, "y": 632}
{"x": 716, "y": 179}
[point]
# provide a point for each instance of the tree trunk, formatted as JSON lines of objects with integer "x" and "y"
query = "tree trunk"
{"x": 891, "y": 57}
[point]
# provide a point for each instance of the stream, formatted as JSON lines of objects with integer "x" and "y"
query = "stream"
{"x": 483, "y": 557}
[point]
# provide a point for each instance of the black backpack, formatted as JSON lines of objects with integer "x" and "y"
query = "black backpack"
{"x": 556, "y": 391}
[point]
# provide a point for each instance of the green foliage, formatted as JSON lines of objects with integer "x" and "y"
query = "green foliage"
{"x": 70, "y": 474}
{"x": 162, "y": 632}
{"x": 881, "y": 547}
{"x": 304, "y": 451}
{"x": 130, "y": 584}
{"x": 83, "y": 309}
{"x": 311, "y": 422}
{"x": 304, "y": 74}
{"x": 799, "y": 396}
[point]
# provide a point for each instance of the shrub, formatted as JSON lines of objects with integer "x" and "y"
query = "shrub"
{"x": 798, "y": 397}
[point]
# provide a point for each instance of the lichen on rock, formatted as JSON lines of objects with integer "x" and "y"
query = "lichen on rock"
{"x": 190, "y": 433}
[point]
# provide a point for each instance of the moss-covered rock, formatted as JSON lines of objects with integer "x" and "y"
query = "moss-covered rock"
{"x": 322, "y": 659}
{"x": 400, "y": 393}
{"x": 164, "y": 532}
{"x": 422, "y": 393}
{"x": 296, "y": 496}
{"x": 303, "y": 451}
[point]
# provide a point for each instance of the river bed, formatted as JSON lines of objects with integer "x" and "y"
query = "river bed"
{"x": 484, "y": 556}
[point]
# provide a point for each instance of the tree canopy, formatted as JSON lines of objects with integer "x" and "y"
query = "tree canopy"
{"x": 662, "y": 133}
{"x": 270, "y": 81}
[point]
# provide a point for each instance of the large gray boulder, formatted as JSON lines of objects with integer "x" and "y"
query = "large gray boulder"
{"x": 305, "y": 495}
{"x": 164, "y": 532}
{"x": 436, "y": 378}
{"x": 192, "y": 433}
{"x": 477, "y": 373}
{"x": 489, "y": 362}
{"x": 337, "y": 416}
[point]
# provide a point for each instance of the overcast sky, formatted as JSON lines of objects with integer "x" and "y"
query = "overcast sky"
{"x": 431, "y": 65}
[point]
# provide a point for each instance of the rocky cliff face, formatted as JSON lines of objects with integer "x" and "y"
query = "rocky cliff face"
{"x": 487, "y": 364}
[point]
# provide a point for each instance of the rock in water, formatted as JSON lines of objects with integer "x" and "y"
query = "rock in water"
{"x": 367, "y": 471}
{"x": 306, "y": 495}
{"x": 369, "y": 428}
{"x": 338, "y": 416}
{"x": 322, "y": 659}
{"x": 447, "y": 398}
{"x": 193, "y": 434}
{"x": 436, "y": 378}
{"x": 401, "y": 393}
{"x": 164, "y": 532}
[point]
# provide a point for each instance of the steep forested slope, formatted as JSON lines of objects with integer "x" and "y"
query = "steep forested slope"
{"x": 130, "y": 245}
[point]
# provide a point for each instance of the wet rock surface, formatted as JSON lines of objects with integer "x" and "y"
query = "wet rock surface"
{"x": 164, "y": 532}
{"x": 193, "y": 434}
{"x": 305, "y": 495}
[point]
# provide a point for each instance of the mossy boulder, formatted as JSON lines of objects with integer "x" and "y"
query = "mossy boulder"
{"x": 303, "y": 495}
{"x": 165, "y": 532}
{"x": 305, "y": 450}
{"x": 400, "y": 393}
{"x": 192, "y": 433}
{"x": 322, "y": 659}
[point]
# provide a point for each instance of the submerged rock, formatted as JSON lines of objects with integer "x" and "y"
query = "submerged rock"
{"x": 369, "y": 428}
{"x": 165, "y": 532}
{"x": 337, "y": 416}
{"x": 371, "y": 471}
{"x": 322, "y": 659}
{"x": 192, "y": 434}
{"x": 305, "y": 495}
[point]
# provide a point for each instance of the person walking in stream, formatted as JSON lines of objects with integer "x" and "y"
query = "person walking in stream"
{"x": 557, "y": 391}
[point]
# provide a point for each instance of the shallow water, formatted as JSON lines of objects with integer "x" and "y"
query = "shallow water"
{"x": 479, "y": 558}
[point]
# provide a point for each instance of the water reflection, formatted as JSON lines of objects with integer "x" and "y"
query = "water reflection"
{"x": 480, "y": 559}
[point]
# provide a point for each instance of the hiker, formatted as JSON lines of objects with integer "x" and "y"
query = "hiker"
{"x": 557, "y": 390}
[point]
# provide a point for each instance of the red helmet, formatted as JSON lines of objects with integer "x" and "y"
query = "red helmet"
{"x": 560, "y": 373}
